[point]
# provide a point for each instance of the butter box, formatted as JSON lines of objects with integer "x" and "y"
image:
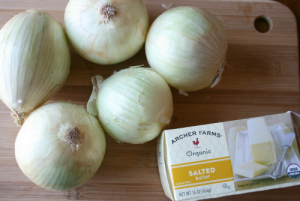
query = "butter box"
{"x": 227, "y": 158}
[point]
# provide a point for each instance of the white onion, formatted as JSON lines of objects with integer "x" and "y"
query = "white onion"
{"x": 34, "y": 61}
{"x": 187, "y": 47}
{"x": 133, "y": 105}
{"x": 60, "y": 146}
{"x": 106, "y": 31}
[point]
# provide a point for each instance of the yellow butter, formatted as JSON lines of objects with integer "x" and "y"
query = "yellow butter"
{"x": 261, "y": 142}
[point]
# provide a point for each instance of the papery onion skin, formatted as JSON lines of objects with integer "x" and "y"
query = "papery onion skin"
{"x": 46, "y": 150}
{"x": 187, "y": 46}
{"x": 106, "y": 41}
{"x": 34, "y": 61}
{"x": 133, "y": 105}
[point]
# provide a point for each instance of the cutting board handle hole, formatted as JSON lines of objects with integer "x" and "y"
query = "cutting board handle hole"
{"x": 263, "y": 24}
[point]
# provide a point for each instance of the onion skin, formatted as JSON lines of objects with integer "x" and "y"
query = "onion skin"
{"x": 34, "y": 61}
{"x": 46, "y": 150}
{"x": 187, "y": 46}
{"x": 133, "y": 105}
{"x": 106, "y": 41}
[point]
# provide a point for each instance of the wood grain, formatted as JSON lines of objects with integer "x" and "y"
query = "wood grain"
{"x": 263, "y": 78}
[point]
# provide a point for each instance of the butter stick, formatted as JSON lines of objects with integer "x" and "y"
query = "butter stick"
{"x": 232, "y": 141}
{"x": 261, "y": 142}
{"x": 250, "y": 169}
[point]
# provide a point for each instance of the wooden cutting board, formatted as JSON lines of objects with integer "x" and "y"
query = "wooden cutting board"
{"x": 263, "y": 78}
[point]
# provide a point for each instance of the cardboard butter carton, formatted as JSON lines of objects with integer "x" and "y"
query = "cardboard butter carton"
{"x": 227, "y": 158}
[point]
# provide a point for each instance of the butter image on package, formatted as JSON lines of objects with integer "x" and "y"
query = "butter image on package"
{"x": 232, "y": 140}
{"x": 261, "y": 145}
{"x": 250, "y": 169}
{"x": 261, "y": 142}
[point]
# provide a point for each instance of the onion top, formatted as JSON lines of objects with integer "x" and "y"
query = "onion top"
{"x": 106, "y": 31}
{"x": 60, "y": 146}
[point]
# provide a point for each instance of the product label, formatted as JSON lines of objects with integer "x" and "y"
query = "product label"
{"x": 202, "y": 173}
{"x": 293, "y": 171}
{"x": 199, "y": 161}
{"x": 220, "y": 159}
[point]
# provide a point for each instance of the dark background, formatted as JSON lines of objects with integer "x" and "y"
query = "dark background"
{"x": 294, "y": 5}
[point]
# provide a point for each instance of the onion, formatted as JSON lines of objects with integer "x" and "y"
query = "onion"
{"x": 133, "y": 105}
{"x": 60, "y": 146}
{"x": 106, "y": 31}
{"x": 187, "y": 47}
{"x": 34, "y": 61}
